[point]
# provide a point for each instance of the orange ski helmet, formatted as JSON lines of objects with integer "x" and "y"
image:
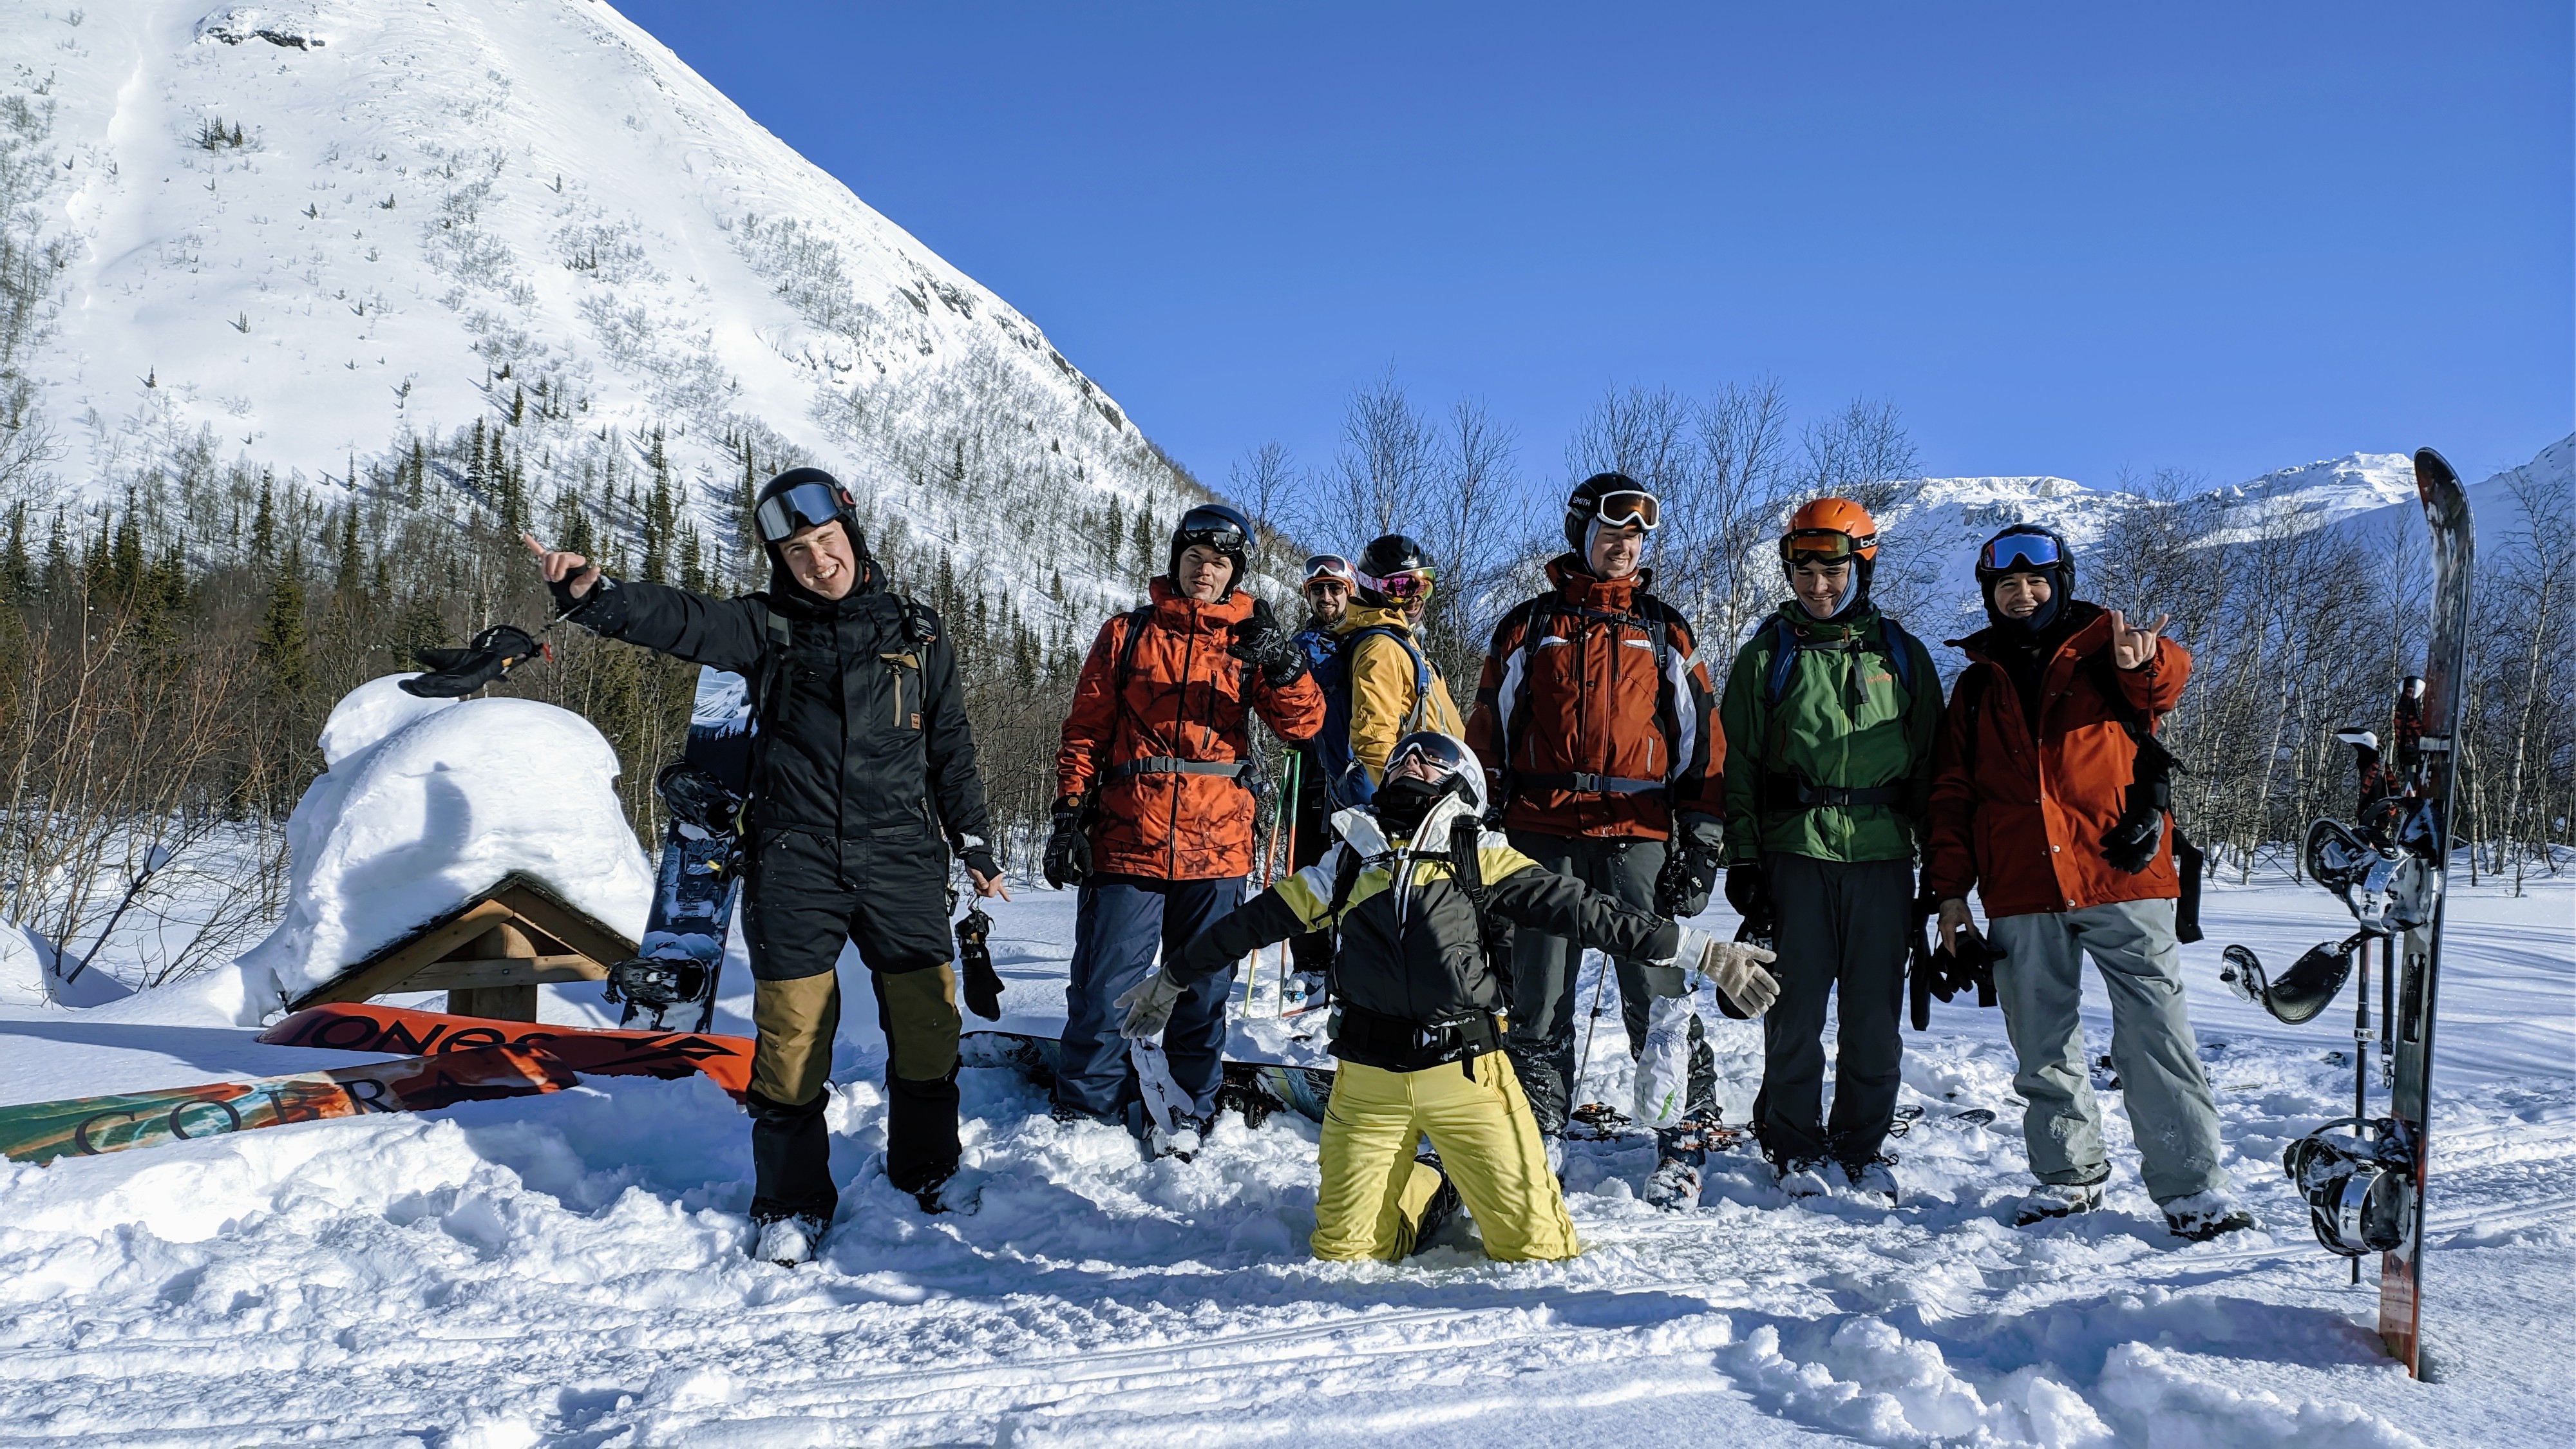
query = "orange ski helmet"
{"x": 1812, "y": 527}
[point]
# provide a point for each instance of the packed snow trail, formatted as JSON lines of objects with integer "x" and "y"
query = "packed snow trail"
{"x": 570, "y": 1270}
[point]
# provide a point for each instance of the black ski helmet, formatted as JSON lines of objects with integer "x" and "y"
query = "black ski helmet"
{"x": 1216, "y": 526}
{"x": 1999, "y": 556}
{"x": 1583, "y": 505}
{"x": 798, "y": 499}
{"x": 1390, "y": 557}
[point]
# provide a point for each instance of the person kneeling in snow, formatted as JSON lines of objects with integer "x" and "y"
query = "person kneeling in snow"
{"x": 1410, "y": 891}
{"x": 862, "y": 753}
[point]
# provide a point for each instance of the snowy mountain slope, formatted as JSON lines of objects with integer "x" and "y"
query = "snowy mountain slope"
{"x": 304, "y": 232}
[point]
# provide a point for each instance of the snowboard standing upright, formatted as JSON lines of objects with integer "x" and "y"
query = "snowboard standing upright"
{"x": 682, "y": 954}
{"x": 2426, "y": 769}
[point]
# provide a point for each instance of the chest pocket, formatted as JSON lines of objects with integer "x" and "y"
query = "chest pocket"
{"x": 903, "y": 686}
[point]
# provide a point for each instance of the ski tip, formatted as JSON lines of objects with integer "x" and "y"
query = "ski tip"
{"x": 2432, "y": 470}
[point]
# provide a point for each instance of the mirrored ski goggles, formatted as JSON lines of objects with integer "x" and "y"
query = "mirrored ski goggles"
{"x": 1822, "y": 545}
{"x": 1405, "y": 587}
{"x": 1329, "y": 567}
{"x": 1211, "y": 527}
{"x": 1630, "y": 510}
{"x": 2018, "y": 551}
{"x": 1444, "y": 756}
{"x": 807, "y": 505}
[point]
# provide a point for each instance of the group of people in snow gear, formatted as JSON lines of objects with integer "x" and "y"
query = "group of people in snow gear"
{"x": 1450, "y": 873}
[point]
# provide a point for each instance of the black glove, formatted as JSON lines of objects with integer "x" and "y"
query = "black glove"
{"x": 1682, "y": 886}
{"x": 486, "y": 659}
{"x": 2130, "y": 843}
{"x": 983, "y": 985}
{"x": 979, "y": 859}
{"x": 1261, "y": 643}
{"x": 1748, "y": 889}
{"x": 1068, "y": 849}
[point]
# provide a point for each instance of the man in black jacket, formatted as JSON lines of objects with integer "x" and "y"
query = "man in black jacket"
{"x": 862, "y": 757}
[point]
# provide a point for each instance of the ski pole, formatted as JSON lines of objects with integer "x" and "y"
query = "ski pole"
{"x": 1575, "y": 1087}
{"x": 2361, "y": 1057}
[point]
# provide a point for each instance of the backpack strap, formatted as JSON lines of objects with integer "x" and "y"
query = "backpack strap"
{"x": 1467, "y": 868}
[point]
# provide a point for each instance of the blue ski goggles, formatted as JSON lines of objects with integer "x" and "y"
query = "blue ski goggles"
{"x": 807, "y": 505}
{"x": 2019, "y": 551}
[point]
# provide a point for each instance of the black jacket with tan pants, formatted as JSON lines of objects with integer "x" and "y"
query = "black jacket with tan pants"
{"x": 862, "y": 762}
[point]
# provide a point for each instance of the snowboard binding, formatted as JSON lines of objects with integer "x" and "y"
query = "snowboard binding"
{"x": 487, "y": 658}
{"x": 655, "y": 984}
{"x": 980, "y": 982}
{"x": 2360, "y": 1184}
{"x": 2308, "y": 987}
{"x": 702, "y": 804}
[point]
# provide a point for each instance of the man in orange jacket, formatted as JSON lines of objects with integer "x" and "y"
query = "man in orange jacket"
{"x": 1597, "y": 718}
{"x": 1156, "y": 796}
{"x": 2040, "y": 803}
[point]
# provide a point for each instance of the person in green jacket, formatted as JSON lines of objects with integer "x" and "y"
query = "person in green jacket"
{"x": 1829, "y": 716}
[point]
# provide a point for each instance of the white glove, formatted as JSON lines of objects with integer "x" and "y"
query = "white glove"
{"x": 1743, "y": 987}
{"x": 1148, "y": 1005}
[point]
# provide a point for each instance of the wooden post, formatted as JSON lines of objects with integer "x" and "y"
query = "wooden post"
{"x": 500, "y": 1003}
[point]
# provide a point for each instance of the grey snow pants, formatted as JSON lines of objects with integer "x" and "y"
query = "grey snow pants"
{"x": 1842, "y": 926}
{"x": 1544, "y": 1011}
{"x": 2040, "y": 982}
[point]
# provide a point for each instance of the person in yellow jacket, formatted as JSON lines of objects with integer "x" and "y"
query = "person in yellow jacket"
{"x": 1392, "y": 687}
{"x": 1412, "y": 890}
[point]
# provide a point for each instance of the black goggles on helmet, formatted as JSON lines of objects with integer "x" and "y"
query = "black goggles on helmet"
{"x": 1212, "y": 528}
{"x": 807, "y": 505}
{"x": 1630, "y": 509}
{"x": 2019, "y": 551}
{"x": 1444, "y": 755}
{"x": 1823, "y": 545}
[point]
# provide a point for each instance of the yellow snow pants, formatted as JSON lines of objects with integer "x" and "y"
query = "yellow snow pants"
{"x": 1373, "y": 1192}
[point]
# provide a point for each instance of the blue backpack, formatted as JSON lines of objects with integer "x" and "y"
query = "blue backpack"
{"x": 1346, "y": 783}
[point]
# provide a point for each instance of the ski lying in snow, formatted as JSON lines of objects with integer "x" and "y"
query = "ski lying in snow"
{"x": 1256, "y": 1089}
{"x": 357, "y": 1026}
{"x": 89, "y": 1126}
{"x": 2426, "y": 771}
{"x": 682, "y": 954}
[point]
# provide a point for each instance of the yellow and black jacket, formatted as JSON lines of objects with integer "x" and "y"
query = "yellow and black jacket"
{"x": 1409, "y": 941}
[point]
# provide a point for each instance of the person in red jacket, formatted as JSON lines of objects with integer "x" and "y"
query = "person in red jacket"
{"x": 1155, "y": 803}
{"x": 2039, "y": 804}
{"x": 1598, "y": 720}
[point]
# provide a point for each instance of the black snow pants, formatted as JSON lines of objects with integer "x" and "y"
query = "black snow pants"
{"x": 804, "y": 895}
{"x": 1843, "y": 925}
{"x": 1545, "y": 1014}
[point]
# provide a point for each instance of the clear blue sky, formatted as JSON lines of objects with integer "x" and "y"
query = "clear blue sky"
{"x": 2062, "y": 240}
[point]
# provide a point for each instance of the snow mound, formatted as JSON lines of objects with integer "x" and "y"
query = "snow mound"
{"x": 428, "y": 802}
{"x": 31, "y": 973}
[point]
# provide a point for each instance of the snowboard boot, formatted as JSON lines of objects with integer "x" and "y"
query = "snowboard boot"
{"x": 1682, "y": 1150}
{"x": 1187, "y": 1135}
{"x": 2057, "y": 1200}
{"x": 1800, "y": 1177}
{"x": 2206, "y": 1215}
{"x": 1554, "y": 1145}
{"x": 787, "y": 1239}
{"x": 1872, "y": 1181}
{"x": 1436, "y": 1213}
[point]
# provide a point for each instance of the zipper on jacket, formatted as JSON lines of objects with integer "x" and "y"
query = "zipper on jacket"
{"x": 1180, "y": 733}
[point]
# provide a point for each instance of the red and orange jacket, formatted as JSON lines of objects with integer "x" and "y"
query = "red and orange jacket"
{"x": 2022, "y": 820}
{"x": 1587, "y": 726}
{"x": 1158, "y": 728}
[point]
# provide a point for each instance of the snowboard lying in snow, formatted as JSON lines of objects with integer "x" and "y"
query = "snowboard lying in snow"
{"x": 456, "y": 1059}
{"x": 1256, "y": 1089}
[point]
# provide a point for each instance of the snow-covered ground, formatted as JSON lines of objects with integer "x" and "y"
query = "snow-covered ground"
{"x": 569, "y": 1270}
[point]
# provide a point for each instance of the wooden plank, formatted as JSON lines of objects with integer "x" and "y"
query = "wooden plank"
{"x": 389, "y": 969}
{"x": 496, "y": 1003}
{"x": 460, "y": 975}
{"x": 532, "y": 921}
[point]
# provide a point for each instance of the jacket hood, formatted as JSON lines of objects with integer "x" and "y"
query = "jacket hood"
{"x": 1575, "y": 580}
{"x": 1358, "y": 824}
